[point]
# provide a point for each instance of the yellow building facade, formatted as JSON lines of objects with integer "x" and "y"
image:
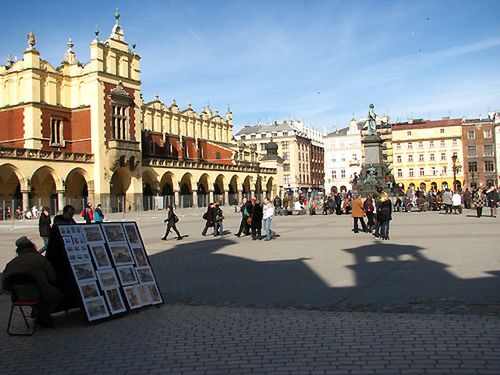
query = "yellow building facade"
{"x": 423, "y": 153}
{"x": 82, "y": 132}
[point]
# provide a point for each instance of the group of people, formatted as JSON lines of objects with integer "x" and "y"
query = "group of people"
{"x": 377, "y": 209}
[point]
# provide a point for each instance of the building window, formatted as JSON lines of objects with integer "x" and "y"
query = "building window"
{"x": 285, "y": 145}
{"x": 443, "y": 170}
{"x": 420, "y": 144}
{"x": 263, "y": 135}
{"x": 471, "y": 134}
{"x": 441, "y": 131}
{"x": 151, "y": 148}
{"x": 488, "y": 150}
{"x": 422, "y": 172}
{"x": 443, "y": 156}
{"x": 286, "y": 167}
{"x": 253, "y": 136}
{"x": 243, "y": 137}
{"x": 119, "y": 122}
{"x": 421, "y": 157}
{"x": 410, "y": 145}
{"x": 274, "y": 134}
{"x": 262, "y": 147}
{"x": 442, "y": 143}
{"x": 471, "y": 151}
{"x": 431, "y": 144}
{"x": 489, "y": 166}
{"x": 398, "y": 146}
{"x": 286, "y": 156}
{"x": 56, "y": 132}
{"x": 342, "y": 173}
{"x": 408, "y": 132}
{"x": 432, "y": 157}
{"x": 410, "y": 158}
{"x": 455, "y": 143}
{"x": 487, "y": 133}
{"x": 473, "y": 166}
{"x": 286, "y": 180}
{"x": 399, "y": 159}
{"x": 410, "y": 172}
{"x": 355, "y": 157}
{"x": 334, "y": 174}
{"x": 285, "y": 134}
{"x": 400, "y": 173}
{"x": 217, "y": 155}
{"x": 433, "y": 171}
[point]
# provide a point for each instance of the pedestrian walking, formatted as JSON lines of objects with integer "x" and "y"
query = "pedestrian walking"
{"x": 492, "y": 197}
{"x": 479, "y": 202}
{"x": 171, "y": 220}
{"x": 44, "y": 228}
{"x": 369, "y": 208}
{"x": 358, "y": 213}
{"x": 219, "y": 218}
{"x": 257, "y": 215}
{"x": 209, "y": 216}
{"x": 88, "y": 213}
{"x": 245, "y": 223}
{"x": 268, "y": 217}
{"x": 98, "y": 215}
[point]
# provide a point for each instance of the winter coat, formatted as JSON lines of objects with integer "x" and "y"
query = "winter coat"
{"x": 384, "y": 212}
{"x": 248, "y": 207}
{"x": 210, "y": 215}
{"x": 479, "y": 201}
{"x": 357, "y": 208}
{"x": 31, "y": 263}
{"x": 257, "y": 215}
{"x": 170, "y": 220}
{"x": 447, "y": 198}
{"x": 44, "y": 225}
{"x": 98, "y": 215}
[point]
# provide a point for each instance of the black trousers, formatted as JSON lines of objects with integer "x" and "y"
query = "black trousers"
{"x": 243, "y": 227}
{"x": 479, "y": 211}
{"x": 356, "y": 228}
{"x": 257, "y": 233}
{"x": 174, "y": 228}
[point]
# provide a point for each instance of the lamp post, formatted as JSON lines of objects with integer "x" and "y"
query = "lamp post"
{"x": 456, "y": 168}
{"x": 472, "y": 173}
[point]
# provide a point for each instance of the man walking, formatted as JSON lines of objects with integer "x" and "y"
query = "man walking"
{"x": 268, "y": 217}
{"x": 245, "y": 214}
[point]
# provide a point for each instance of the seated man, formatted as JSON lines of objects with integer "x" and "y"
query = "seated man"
{"x": 30, "y": 262}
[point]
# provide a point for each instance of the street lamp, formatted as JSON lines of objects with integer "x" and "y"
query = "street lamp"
{"x": 456, "y": 168}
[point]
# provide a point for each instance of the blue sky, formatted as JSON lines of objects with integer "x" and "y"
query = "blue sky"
{"x": 317, "y": 61}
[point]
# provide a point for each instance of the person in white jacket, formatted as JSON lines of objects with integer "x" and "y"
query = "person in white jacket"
{"x": 268, "y": 217}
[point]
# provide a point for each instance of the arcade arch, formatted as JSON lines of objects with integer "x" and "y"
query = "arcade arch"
{"x": 186, "y": 191}
{"x": 44, "y": 185}
{"x": 219, "y": 193}
{"x": 203, "y": 191}
{"x": 119, "y": 185}
{"x": 76, "y": 189}
{"x": 167, "y": 191}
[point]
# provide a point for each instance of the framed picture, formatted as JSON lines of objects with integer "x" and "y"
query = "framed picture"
{"x": 114, "y": 232}
{"x": 132, "y": 234}
{"x": 140, "y": 256}
{"x": 69, "y": 248}
{"x": 143, "y": 293}
{"x": 107, "y": 279}
{"x": 64, "y": 230}
{"x": 145, "y": 274}
{"x": 84, "y": 271}
{"x": 154, "y": 293}
{"x": 115, "y": 301}
{"x": 96, "y": 308}
{"x": 93, "y": 233}
{"x": 89, "y": 290}
{"x": 121, "y": 254}
{"x": 73, "y": 258}
{"x": 127, "y": 275}
{"x": 100, "y": 256}
{"x": 132, "y": 297}
{"x": 67, "y": 241}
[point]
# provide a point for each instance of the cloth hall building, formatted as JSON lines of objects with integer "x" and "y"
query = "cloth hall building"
{"x": 82, "y": 132}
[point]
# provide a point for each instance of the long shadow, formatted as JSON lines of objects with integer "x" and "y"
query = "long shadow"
{"x": 384, "y": 273}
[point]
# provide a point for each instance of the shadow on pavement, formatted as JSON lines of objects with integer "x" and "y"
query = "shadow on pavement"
{"x": 384, "y": 273}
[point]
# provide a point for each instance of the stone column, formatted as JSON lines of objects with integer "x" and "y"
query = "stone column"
{"x": 26, "y": 200}
{"x": 176, "y": 199}
{"x": 226, "y": 198}
{"x": 195, "y": 198}
{"x": 60, "y": 200}
{"x": 252, "y": 194}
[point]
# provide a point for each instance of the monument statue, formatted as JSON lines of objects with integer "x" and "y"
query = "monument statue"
{"x": 372, "y": 124}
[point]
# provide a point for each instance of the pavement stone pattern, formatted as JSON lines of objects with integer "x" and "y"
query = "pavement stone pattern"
{"x": 317, "y": 293}
{"x": 178, "y": 339}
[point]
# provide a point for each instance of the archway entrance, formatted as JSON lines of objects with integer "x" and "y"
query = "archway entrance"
{"x": 434, "y": 186}
{"x": 258, "y": 189}
{"x": 120, "y": 183}
{"x": 219, "y": 190}
{"x": 10, "y": 192}
{"x": 76, "y": 189}
{"x": 43, "y": 190}
{"x": 186, "y": 193}
{"x": 423, "y": 186}
{"x": 233, "y": 191}
{"x": 245, "y": 188}
{"x": 203, "y": 196}
{"x": 167, "y": 190}
{"x": 269, "y": 188}
{"x": 149, "y": 191}
{"x": 457, "y": 185}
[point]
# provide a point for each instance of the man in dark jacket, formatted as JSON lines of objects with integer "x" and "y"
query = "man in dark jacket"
{"x": 209, "y": 216}
{"x": 245, "y": 209}
{"x": 30, "y": 262}
{"x": 66, "y": 217}
{"x": 44, "y": 228}
{"x": 257, "y": 214}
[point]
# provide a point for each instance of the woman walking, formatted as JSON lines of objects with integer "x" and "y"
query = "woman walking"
{"x": 384, "y": 214}
{"x": 219, "y": 217}
{"x": 171, "y": 220}
{"x": 358, "y": 213}
{"x": 98, "y": 215}
{"x": 479, "y": 202}
{"x": 369, "y": 208}
{"x": 44, "y": 228}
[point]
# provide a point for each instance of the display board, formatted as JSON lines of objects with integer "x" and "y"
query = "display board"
{"x": 111, "y": 268}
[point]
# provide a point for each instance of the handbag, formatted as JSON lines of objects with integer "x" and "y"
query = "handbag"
{"x": 249, "y": 221}
{"x": 176, "y": 219}
{"x": 205, "y": 216}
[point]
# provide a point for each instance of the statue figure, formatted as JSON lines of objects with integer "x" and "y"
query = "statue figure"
{"x": 371, "y": 176}
{"x": 372, "y": 125}
{"x": 31, "y": 40}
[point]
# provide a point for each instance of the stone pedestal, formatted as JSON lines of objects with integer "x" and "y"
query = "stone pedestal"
{"x": 374, "y": 169}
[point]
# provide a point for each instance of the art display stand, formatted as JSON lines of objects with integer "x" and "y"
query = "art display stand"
{"x": 106, "y": 265}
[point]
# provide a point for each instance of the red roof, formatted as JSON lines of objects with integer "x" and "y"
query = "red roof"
{"x": 427, "y": 124}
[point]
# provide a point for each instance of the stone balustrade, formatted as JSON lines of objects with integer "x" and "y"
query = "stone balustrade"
{"x": 24, "y": 153}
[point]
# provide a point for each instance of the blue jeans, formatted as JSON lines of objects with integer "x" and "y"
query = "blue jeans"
{"x": 384, "y": 228}
{"x": 267, "y": 228}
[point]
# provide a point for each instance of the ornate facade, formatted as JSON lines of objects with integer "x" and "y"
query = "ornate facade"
{"x": 82, "y": 132}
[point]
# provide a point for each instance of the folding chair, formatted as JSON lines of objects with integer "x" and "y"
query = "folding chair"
{"x": 19, "y": 284}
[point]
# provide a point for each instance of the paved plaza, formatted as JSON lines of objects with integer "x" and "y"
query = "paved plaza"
{"x": 319, "y": 299}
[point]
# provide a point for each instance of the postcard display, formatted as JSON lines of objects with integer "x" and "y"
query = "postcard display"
{"x": 111, "y": 268}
